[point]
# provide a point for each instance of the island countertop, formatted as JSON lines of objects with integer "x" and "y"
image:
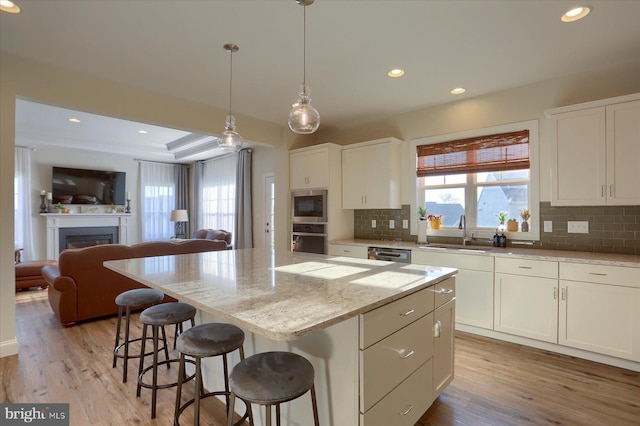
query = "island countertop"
{"x": 280, "y": 295}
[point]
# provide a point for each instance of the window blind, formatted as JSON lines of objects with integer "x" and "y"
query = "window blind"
{"x": 504, "y": 151}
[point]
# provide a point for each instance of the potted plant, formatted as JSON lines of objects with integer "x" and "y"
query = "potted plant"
{"x": 502, "y": 217}
{"x": 435, "y": 220}
{"x": 59, "y": 207}
{"x": 525, "y": 215}
{"x": 422, "y": 212}
{"x": 512, "y": 225}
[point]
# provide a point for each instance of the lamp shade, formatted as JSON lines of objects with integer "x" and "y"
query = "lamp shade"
{"x": 179, "y": 216}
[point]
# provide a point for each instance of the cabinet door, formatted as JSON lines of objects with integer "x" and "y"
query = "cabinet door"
{"x": 474, "y": 298}
{"x": 526, "y": 306}
{"x": 309, "y": 169}
{"x": 443, "y": 346}
{"x": 578, "y": 172}
{"x": 623, "y": 153}
{"x": 353, "y": 178}
{"x": 377, "y": 190}
{"x": 359, "y": 252}
{"x": 600, "y": 318}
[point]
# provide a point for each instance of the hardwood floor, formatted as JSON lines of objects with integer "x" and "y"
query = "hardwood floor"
{"x": 496, "y": 383}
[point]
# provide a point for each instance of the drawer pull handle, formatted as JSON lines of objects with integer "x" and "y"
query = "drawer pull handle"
{"x": 437, "y": 329}
{"x": 407, "y": 355}
{"x": 599, "y": 274}
{"x": 405, "y": 412}
{"x": 525, "y": 267}
{"x": 445, "y": 290}
{"x": 409, "y": 312}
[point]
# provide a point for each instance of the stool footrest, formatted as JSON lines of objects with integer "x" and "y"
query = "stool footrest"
{"x": 121, "y": 345}
{"x": 166, "y": 385}
{"x": 176, "y": 420}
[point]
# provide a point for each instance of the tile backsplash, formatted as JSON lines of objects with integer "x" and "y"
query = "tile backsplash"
{"x": 612, "y": 229}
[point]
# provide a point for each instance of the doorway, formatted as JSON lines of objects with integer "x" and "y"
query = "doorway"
{"x": 269, "y": 210}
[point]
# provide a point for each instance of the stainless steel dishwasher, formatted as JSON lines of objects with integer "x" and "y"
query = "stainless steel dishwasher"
{"x": 390, "y": 254}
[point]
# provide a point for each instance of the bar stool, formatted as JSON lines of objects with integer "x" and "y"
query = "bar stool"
{"x": 156, "y": 317}
{"x": 203, "y": 341}
{"x": 126, "y": 301}
{"x": 271, "y": 378}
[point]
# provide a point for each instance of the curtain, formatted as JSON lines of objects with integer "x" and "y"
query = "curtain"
{"x": 197, "y": 190}
{"x": 182, "y": 192}
{"x": 157, "y": 199}
{"x": 243, "y": 230}
{"x": 22, "y": 205}
{"x": 218, "y": 194}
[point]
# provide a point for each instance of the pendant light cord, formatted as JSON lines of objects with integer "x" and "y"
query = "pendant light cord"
{"x": 230, "y": 78}
{"x": 304, "y": 48}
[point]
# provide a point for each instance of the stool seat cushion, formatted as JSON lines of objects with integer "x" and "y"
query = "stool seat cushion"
{"x": 271, "y": 377}
{"x": 139, "y": 297}
{"x": 167, "y": 313}
{"x": 210, "y": 339}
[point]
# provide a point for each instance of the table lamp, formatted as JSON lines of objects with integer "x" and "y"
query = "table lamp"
{"x": 180, "y": 217}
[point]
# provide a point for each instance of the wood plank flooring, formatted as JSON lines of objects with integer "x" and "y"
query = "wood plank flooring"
{"x": 497, "y": 383}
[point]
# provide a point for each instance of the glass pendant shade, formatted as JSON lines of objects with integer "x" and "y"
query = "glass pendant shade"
{"x": 230, "y": 140}
{"x": 304, "y": 118}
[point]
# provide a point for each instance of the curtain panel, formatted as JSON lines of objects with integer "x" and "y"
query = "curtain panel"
{"x": 157, "y": 199}
{"x": 23, "y": 212}
{"x": 243, "y": 231}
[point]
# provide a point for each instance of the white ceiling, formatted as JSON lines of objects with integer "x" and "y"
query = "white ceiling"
{"x": 175, "y": 48}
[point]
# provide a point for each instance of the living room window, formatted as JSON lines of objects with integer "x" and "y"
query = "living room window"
{"x": 218, "y": 193}
{"x": 158, "y": 189}
{"x": 479, "y": 175}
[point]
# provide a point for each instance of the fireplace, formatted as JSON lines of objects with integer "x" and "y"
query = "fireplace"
{"x": 87, "y": 236}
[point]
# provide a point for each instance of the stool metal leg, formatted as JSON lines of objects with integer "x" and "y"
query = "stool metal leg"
{"x": 198, "y": 392}
{"x": 179, "y": 389}
{"x": 126, "y": 344}
{"x": 115, "y": 358}
{"x": 154, "y": 389}
{"x": 141, "y": 364}
{"x": 268, "y": 412}
{"x": 314, "y": 402}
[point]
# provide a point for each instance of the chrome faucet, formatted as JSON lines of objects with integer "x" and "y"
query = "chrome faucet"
{"x": 463, "y": 225}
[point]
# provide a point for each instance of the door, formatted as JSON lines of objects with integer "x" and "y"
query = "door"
{"x": 269, "y": 210}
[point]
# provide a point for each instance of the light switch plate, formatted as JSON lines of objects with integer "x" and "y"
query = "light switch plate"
{"x": 578, "y": 227}
{"x": 373, "y": 223}
{"x": 392, "y": 224}
{"x": 405, "y": 223}
{"x": 548, "y": 226}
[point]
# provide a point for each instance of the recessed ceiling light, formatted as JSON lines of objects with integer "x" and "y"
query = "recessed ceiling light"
{"x": 74, "y": 120}
{"x": 143, "y": 132}
{"x": 576, "y": 13}
{"x": 9, "y": 6}
{"x": 458, "y": 91}
{"x": 397, "y": 72}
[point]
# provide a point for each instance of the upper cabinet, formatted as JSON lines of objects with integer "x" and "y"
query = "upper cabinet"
{"x": 596, "y": 153}
{"x": 371, "y": 175}
{"x": 309, "y": 168}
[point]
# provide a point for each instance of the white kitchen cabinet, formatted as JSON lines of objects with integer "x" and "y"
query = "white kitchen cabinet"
{"x": 595, "y": 154}
{"x": 474, "y": 284}
{"x": 371, "y": 175}
{"x": 309, "y": 168}
{"x": 526, "y": 298}
{"x": 348, "y": 250}
{"x": 600, "y": 309}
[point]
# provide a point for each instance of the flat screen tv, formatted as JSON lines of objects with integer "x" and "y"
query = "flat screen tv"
{"x": 80, "y": 186}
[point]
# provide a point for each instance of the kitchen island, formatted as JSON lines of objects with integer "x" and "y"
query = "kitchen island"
{"x": 366, "y": 326}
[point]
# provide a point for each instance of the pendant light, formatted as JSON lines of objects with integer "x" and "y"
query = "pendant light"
{"x": 304, "y": 118}
{"x": 230, "y": 140}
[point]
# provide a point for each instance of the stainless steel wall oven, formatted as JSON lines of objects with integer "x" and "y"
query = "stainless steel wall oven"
{"x": 309, "y": 237}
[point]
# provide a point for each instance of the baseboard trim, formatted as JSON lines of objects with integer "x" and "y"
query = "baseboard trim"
{"x": 551, "y": 347}
{"x": 8, "y": 348}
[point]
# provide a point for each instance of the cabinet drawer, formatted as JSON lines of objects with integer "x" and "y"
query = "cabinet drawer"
{"x": 433, "y": 257}
{"x": 350, "y": 251}
{"x": 444, "y": 291}
{"x": 527, "y": 267}
{"x": 390, "y": 361}
{"x": 405, "y": 404}
{"x": 381, "y": 322}
{"x": 600, "y": 274}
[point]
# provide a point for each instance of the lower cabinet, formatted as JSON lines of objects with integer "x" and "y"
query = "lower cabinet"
{"x": 600, "y": 309}
{"x": 443, "y": 346}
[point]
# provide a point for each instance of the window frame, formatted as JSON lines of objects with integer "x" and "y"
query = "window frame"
{"x": 533, "y": 189}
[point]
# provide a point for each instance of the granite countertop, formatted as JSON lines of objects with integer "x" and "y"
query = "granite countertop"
{"x": 280, "y": 295}
{"x": 479, "y": 250}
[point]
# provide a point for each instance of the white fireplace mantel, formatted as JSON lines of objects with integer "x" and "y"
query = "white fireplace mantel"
{"x": 55, "y": 221}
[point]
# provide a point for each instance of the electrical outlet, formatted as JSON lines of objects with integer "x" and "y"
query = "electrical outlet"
{"x": 578, "y": 227}
{"x": 548, "y": 226}
{"x": 405, "y": 223}
{"x": 373, "y": 223}
{"x": 392, "y": 224}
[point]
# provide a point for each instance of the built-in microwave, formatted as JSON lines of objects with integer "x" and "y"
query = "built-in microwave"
{"x": 309, "y": 205}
